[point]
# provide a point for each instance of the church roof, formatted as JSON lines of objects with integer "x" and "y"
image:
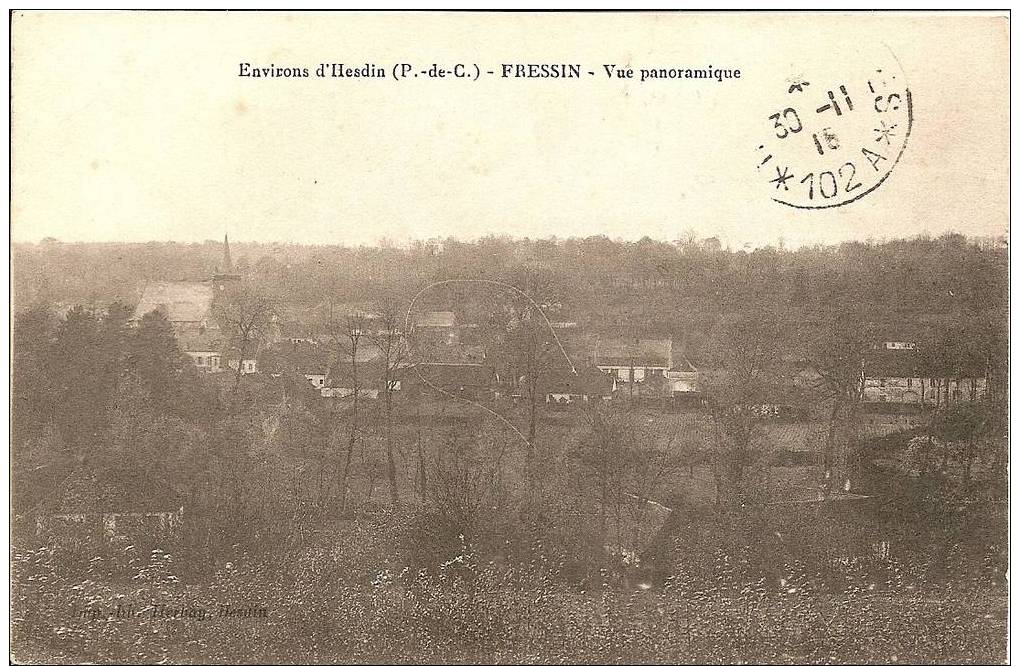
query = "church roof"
{"x": 182, "y": 301}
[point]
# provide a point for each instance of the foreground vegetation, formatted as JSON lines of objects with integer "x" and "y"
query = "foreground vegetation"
{"x": 329, "y": 603}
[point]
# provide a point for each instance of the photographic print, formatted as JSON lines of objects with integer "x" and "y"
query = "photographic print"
{"x": 509, "y": 337}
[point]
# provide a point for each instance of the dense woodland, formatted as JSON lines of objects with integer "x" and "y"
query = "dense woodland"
{"x": 925, "y": 276}
{"x": 379, "y": 529}
{"x": 681, "y": 289}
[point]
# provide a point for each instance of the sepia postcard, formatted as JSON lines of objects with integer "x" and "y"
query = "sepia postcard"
{"x": 509, "y": 337}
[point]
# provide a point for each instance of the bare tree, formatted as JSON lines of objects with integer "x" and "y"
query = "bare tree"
{"x": 628, "y": 467}
{"x": 390, "y": 340}
{"x": 246, "y": 312}
{"x": 524, "y": 350}
{"x": 750, "y": 375}
{"x": 836, "y": 353}
{"x": 346, "y": 331}
{"x": 532, "y": 355}
{"x": 602, "y": 454}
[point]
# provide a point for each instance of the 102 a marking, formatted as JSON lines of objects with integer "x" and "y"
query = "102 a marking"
{"x": 828, "y": 183}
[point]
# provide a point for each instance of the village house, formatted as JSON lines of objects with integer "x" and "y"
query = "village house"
{"x": 894, "y": 372}
{"x": 683, "y": 378}
{"x": 437, "y": 319}
{"x": 248, "y": 366}
{"x": 633, "y": 360}
{"x": 436, "y": 327}
{"x": 587, "y": 384}
{"x": 307, "y": 359}
{"x": 366, "y": 378}
{"x": 648, "y": 367}
{"x": 356, "y": 318}
{"x": 290, "y": 324}
{"x": 367, "y": 372}
{"x": 897, "y": 345}
{"x": 205, "y": 351}
{"x": 454, "y": 353}
{"x": 112, "y": 505}
{"x": 248, "y": 362}
{"x": 471, "y": 381}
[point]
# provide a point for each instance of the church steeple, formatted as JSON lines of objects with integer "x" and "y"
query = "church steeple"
{"x": 226, "y": 270}
{"x": 228, "y": 266}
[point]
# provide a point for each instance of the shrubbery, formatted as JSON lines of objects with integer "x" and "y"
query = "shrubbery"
{"x": 345, "y": 601}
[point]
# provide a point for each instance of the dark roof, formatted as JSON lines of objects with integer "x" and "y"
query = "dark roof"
{"x": 366, "y": 352}
{"x": 449, "y": 376}
{"x": 893, "y": 363}
{"x": 587, "y": 381}
{"x": 371, "y": 374}
{"x": 289, "y": 328}
{"x": 301, "y": 357}
{"x": 634, "y": 352}
{"x": 911, "y": 363}
{"x": 899, "y": 331}
{"x": 208, "y": 342}
{"x": 681, "y": 364}
{"x": 313, "y": 320}
{"x": 361, "y": 310}
{"x": 268, "y": 389}
{"x": 458, "y": 353}
{"x": 232, "y": 351}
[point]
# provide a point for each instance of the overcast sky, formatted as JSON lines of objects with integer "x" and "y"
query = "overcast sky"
{"x": 136, "y": 127}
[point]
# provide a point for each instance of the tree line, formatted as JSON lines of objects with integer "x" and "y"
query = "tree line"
{"x": 920, "y": 275}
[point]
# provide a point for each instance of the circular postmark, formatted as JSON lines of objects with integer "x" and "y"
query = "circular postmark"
{"x": 834, "y": 138}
